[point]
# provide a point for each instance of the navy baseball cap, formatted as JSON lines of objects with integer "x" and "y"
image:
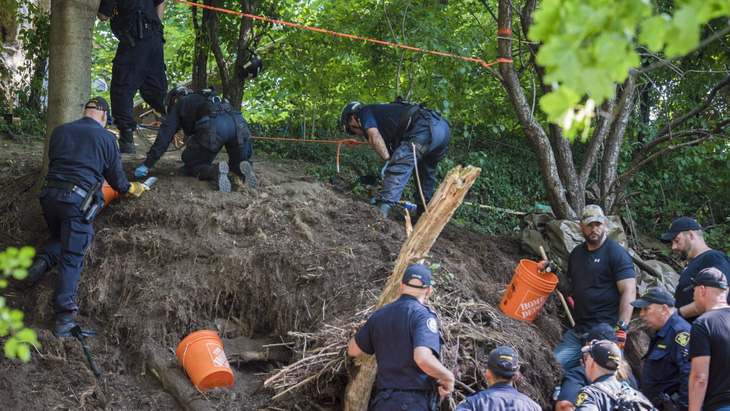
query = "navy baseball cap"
{"x": 419, "y": 272}
{"x": 709, "y": 277}
{"x": 504, "y": 361}
{"x": 679, "y": 225}
{"x": 605, "y": 353}
{"x": 654, "y": 295}
{"x": 601, "y": 331}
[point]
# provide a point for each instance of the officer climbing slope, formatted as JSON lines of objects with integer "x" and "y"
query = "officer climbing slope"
{"x": 212, "y": 123}
{"x": 81, "y": 155}
{"x": 139, "y": 63}
{"x": 406, "y": 136}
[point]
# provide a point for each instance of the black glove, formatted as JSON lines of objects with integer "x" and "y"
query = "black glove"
{"x": 546, "y": 266}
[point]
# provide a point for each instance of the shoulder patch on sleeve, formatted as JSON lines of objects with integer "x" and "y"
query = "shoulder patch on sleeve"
{"x": 431, "y": 324}
{"x": 682, "y": 339}
{"x": 581, "y": 397}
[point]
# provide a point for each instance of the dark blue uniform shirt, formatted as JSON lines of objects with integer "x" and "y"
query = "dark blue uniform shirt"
{"x": 384, "y": 117}
{"x": 501, "y": 396}
{"x": 84, "y": 153}
{"x": 392, "y": 333}
{"x": 121, "y": 12}
{"x": 710, "y": 258}
{"x": 594, "y": 275}
{"x": 666, "y": 363}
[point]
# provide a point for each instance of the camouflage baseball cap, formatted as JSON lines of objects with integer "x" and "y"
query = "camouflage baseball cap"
{"x": 592, "y": 213}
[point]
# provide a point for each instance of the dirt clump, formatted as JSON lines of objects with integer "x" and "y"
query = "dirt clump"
{"x": 286, "y": 262}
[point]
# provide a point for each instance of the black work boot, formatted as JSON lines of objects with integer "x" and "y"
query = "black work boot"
{"x": 219, "y": 175}
{"x": 35, "y": 272}
{"x": 248, "y": 175}
{"x": 65, "y": 326}
{"x": 126, "y": 141}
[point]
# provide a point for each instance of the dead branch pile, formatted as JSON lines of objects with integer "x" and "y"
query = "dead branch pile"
{"x": 470, "y": 330}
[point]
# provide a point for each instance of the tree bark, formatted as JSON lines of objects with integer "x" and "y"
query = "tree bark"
{"x": 536, "y": 136}
{"x": 202, "y": 47}
{"x": 445, "y": 201}
{"x": 69, "y": 68}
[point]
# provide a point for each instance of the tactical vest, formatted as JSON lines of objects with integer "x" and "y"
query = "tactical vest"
{"x": 205, "y": 119}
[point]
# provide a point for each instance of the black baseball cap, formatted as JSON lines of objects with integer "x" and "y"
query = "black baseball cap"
{"x": 679, "y": 225}
{"x": 654, "y": 295}
{"x": 98, "y": 103}
{"x": 420, "y": 272}
{"x": 504, "y": 361}
{"x": 605, "y": 353}
{"x": 602, "y": 331}
{"x": 709, "y": 277}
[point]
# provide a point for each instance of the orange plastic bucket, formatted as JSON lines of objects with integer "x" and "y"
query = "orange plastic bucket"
{"x": 109, "y": 194}
{"x": 201, "y": 355}
{"x": 527, "y": 291}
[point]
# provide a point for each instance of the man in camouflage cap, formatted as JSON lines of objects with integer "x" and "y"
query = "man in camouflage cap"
{"x": 602, "y": 282}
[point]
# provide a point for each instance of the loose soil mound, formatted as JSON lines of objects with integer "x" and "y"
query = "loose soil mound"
{"x": 291, "y": 258}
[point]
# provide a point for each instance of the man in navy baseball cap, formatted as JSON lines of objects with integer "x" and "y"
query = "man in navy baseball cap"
{"x": 687, "y": 240}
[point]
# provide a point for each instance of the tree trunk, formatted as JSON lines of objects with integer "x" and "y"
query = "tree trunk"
{"x": 234, "y": 85}
{"x": 69, "y": 68}
{"x": 445, "y": 201}
{"x": 202, "y": 47}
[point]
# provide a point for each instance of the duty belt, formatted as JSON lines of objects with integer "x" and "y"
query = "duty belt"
{"x": 64, "y": 185}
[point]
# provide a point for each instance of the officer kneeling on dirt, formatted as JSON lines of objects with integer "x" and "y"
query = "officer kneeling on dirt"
{"x": 81, "y": 155}
{"x": 503, "y": 369}
{"x": 406, "y": 136}
{"x": 602, "y": 359}
{"x": 212, "y": 123}
{"x": 404, "y": 337}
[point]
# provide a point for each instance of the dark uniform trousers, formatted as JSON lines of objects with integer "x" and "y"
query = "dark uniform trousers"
{"x": 140, "y": 68}
{"x": 196, "y": 158}
{"x": 70, "y": 237}
{"x": 402, "y": 161}
{"x": 393, "y": 400}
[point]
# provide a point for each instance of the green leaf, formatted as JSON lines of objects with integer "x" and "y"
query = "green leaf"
{"x": 11, "y": 346}
{"x": 23, "y": 351}
{"x": 653, "y": 32}
{"x": 26, "y": 334}
{"x": 557, "y": 103}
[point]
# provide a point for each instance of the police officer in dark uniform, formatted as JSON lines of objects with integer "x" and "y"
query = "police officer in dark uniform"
{"x": 601, "y": 359}
{"x": 404, "y": 337}
{"x": 139, "y": 64}
{"x": 576, "y": 378}
{"x": 666, "y": 363}
{"x": 406, "y": 136}
{"x": 503, "y": 369}
{"x": 81, "y": 155}
{"x": 212, "y": 124}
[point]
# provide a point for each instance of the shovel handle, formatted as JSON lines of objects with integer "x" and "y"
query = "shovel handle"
{"x": 560, "y": 295}
{"x": 92, "y": 363}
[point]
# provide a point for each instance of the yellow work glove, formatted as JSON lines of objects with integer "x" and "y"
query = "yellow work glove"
{"x": 135, "y": 189}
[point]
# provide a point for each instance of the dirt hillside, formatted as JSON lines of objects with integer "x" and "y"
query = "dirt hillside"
{"x": 293, "y": 258}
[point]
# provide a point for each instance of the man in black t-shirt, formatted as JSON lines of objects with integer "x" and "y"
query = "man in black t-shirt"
{"x": 603, "y": 286}
{"x": 709, "y": 385}
{"x": 685, "y": 236}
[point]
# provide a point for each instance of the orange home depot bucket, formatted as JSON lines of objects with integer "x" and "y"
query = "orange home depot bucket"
{"x": 527, "y": 292}
{"x": 109, "y": 194}
{"x": 201, "y": 355}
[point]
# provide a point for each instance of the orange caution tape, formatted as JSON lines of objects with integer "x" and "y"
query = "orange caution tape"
{"x": 349, "y": 142}
{"x": 334, "y": 33}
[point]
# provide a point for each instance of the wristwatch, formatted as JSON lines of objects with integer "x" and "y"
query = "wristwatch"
{"x": 621, "y": 326}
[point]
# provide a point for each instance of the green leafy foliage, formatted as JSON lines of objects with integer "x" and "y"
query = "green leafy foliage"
{"x": 13, "y": 263}
{"x": 589, "y": 45}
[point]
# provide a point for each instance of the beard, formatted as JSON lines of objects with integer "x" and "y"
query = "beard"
{"x": 594, "y": 240}
{"x": 683, "y": 254}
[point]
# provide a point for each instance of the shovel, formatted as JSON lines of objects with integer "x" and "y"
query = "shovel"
{"x": 78, "y": 333}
